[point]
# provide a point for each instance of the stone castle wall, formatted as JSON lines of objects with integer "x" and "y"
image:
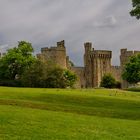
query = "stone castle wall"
{"x": 124, "y": 58}
{"x": 56, "y": 54}
{"x": 96, "y": 64}
{"x": 79, "y": 71}
{"x": 116, "y": 72}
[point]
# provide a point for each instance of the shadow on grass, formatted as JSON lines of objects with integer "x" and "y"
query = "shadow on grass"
{"x": 101, "y": 111}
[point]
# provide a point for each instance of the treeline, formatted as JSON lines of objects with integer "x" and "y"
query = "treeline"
{"x": 19, "y": 68}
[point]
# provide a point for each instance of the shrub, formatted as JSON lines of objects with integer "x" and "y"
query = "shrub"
{"x": 108, "y": 81}
{"x": 118, "y": 84}
{"x": 47, "y": 75}
{"x": 10, "y": 83}
{"x": 135, "y": 89}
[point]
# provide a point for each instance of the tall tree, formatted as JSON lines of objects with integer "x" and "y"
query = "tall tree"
{"x": 136, "y": 9}
{"x": 42, "y": 74}
{"x": 132, "y": 70}
{"x": 35, "y": 76}
{"x": 16, "y": 61}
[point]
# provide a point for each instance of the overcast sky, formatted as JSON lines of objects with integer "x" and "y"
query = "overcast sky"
{"x": 105, "y": 23}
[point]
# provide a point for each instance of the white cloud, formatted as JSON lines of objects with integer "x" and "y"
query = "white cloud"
{"x": 106, "y": 23}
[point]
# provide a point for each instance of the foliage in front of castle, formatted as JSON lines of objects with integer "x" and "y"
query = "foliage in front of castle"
{"x": 20, "y": 68}
{"x": 132, "y": 70}
{"x": 108, "y": 81}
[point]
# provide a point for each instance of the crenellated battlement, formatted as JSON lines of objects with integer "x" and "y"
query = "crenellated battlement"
{"x": 97, "y": 63}
{"x": 124, "y": 58}
{"x": 101, "y": 54}
{"x": 61, "y": 44}
{"x": 126, "y": 53}
{"x": 57, "y": 54}
{"x": 88, "y": 47}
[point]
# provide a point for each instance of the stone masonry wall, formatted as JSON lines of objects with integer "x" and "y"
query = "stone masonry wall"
{"x": 55, "y": 54}
{"x": 97, "y": 63}
{"x": 124, "y": 58}
{"x": 116, "y": 72}
{"x": 79, "y": 71}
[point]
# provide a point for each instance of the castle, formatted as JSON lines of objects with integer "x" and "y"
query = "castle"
{"x": 96, "y": 64}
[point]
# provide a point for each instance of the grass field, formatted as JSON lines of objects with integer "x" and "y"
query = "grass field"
{"x": 66, "y": 114}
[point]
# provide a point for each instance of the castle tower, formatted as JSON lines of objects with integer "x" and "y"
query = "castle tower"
{"x": 124, "y": 58}
{"x": 55, "y": 54}
{"x": 88, "y": 66}
{"x": 101, "y": 64}
{"x": 97, "y": 63}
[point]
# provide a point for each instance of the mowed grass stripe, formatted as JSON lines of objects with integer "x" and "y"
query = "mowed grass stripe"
{"x": 103, "y": 111}
{"x": 57, "y": 114}
{"x": 26, "y": 123}
{"x": 98, "y": 102}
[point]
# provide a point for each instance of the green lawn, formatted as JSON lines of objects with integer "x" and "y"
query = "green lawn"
{"x": 56, "y": 114}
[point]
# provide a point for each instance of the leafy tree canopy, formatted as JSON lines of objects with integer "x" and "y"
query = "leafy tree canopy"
{"x": 16, "y": 61}
{"x": 47, "y": 75}
{"x": 132, "y": 70}
{"x": 136, "y": 9}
